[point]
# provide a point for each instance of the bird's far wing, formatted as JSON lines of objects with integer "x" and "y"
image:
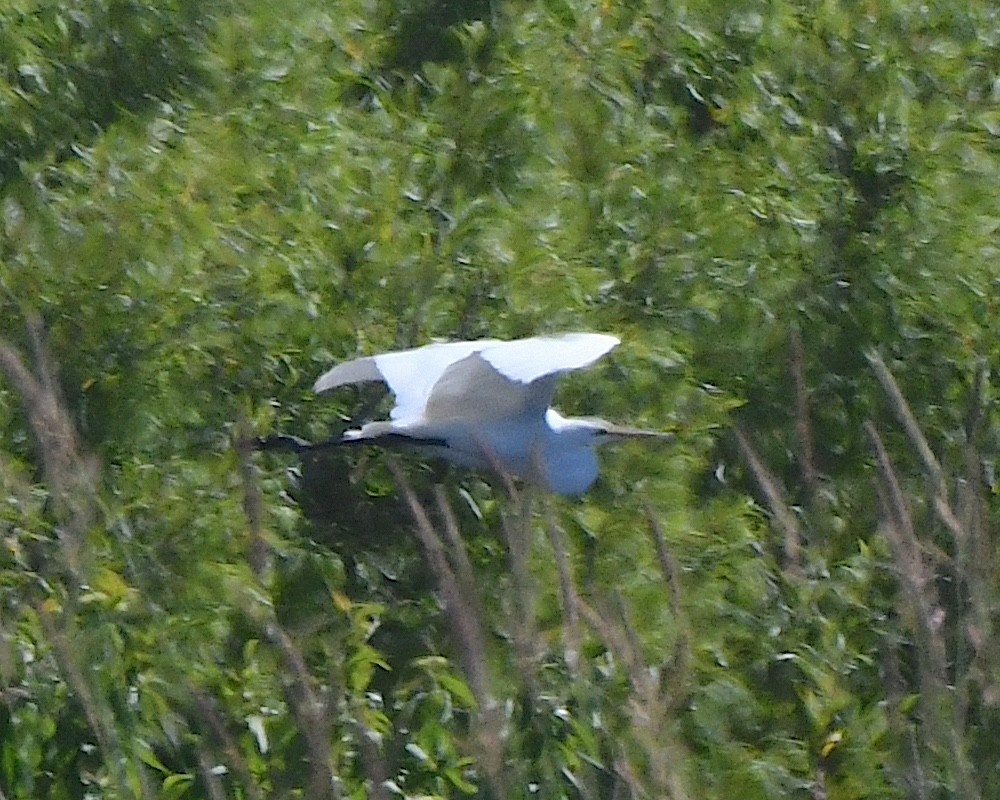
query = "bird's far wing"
{"x": 527, "y": 360}
{"x": 412, "y": 374}
{"x": 486, "y": 378}
{"x": 409, "y": 374}
{"x": 509, "y": 379}
{"x": 473, "y": 389}
{"x": 357, "y": 371}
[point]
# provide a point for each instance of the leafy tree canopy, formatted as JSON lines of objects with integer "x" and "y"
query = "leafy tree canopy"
{"x": 786, "y": 210}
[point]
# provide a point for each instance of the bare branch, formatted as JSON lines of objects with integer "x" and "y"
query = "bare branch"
{"x": 974, "y": 561}
{"x": 644, "y": 681}
{"x": 923, "y": 606}
{"x": 40, "y": 352}
{"x": 902, "y": 411}
{"x": 648, "y": 712}
{"x": 373, "y": 761}
{"x": 467, "y": 632}
{"x": 72, "y": 476}
{"x": 803, "y": 428}
{"x": 571, "y": 625}
{"x": 517, "y": 534}
{"x": 253, "y": 501}
{"x": 209, "y": 713}
{"x": 897, "y": 506}
{"x": 468, "y": 635}
{"x": 668, "y": 565}
{"x": 671, "y": 576}
{"x": 939, "y": 491}
{"x": 974, "y": 416}
{"x": 617, "y": 642}
{"x": 99, "y": 716}
{"x": 784, "y": 520}
{"x": 459, "y": 556}
{"x": 205, "y": 765}
{"x": 468, "y": 601}
{"x": 311, "y": 713}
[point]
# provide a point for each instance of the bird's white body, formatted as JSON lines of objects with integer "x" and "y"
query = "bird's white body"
{"x": 540, "y": 450}
{"x": 485, "y": 404}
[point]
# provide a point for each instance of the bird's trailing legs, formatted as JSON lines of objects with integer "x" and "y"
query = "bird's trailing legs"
{"x": 285, "y": 441}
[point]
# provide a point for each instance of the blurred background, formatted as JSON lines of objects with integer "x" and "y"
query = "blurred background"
{"x": 786, "y": 210}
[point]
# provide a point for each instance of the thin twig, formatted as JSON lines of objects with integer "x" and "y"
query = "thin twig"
{"x": 209, "y": 713}
{"x": 467, "y": 632}
{"x": 459, "y": 556}
{"x": 465, "y": 627}
{"x": 784, "y": 520}
{"x": 253, "y": 500}
{"x": 671, "y": 576}
{"x": 928, "y": 619}
{"x": 99, "y": 716}
{"x": 311, "y": 713}
{"x": 571, "y": 623}
{"x": 71, "y": 475}
{"x": 803, "y": 428}
{"x": 902, "y": 411}
{"x": 932, "y": 468}
{"x": 517, "y": 533}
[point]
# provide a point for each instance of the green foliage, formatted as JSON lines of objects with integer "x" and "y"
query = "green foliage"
{"x": 787, "y": 212}
{"x": 68, "y": 70}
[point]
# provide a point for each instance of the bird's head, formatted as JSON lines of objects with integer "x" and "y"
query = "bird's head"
{"x": 568, "y": 462}
{"x": 590, "y": 431}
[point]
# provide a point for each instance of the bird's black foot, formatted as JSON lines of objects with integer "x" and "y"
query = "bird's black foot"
{"x": 282, "y": 441}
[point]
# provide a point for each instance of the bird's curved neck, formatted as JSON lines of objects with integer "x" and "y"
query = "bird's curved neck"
{"x": 569, "y": 461}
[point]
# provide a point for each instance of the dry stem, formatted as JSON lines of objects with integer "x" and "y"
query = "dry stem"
{"x": 784, "y": 519}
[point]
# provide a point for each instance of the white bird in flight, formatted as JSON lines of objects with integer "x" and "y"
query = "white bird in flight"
{"x": 485, "y": 404}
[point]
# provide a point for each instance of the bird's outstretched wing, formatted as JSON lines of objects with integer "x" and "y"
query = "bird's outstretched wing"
{"x": 485, "y": 379}
{"x": 525, "y": 360}
{"x": 409, "y": 374}
{"x": 512, "y": 379}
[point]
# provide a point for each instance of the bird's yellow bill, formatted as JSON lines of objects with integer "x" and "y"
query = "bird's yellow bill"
{"x": 620, "y": 432}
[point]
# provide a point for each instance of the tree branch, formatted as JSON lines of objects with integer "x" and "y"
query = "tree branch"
{"x": 803, "y": 428}
{"x": 467, "y": 633}
{"x": 784, "y": 520}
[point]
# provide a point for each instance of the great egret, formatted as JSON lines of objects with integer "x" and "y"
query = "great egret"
{"x": 485, "y": 404}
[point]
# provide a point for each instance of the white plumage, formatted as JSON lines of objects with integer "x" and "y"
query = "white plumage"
{"x": 485, "y": 404}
